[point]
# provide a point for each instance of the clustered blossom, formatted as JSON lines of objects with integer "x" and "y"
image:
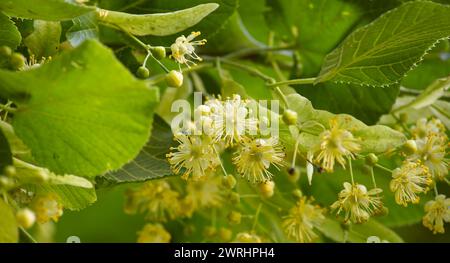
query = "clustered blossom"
{"x": 223, "y": 124}
{"x": 357, "y": 203}
{"x": 299, "y": 224}
{"x": 437, "y": 212}
{"x": 47, "y": 207}
{"x": 335, "y": 145}
{"x": 154, "y": 233}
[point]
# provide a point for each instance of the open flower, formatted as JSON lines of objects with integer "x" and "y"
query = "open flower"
{"x": 357, "y": 203}
{"x": 424, "y": 127}
{"x": 205, "y": 192}
{"x": 231, "y": 120}
{"x": 194, "y": 154}
{"x": 335, "y": 144}
{"x": 183, "y": 50}
{"x": 153, "y": 233}
{"x": 155, "y": 198}
{"x": 437, "y": 212}
{"x": 411, "y": 179}
{"x": 47, "y": 207}
{"x": 431, "y": 150}
{"x": 301, "y": 220}
{"x": 255, "y": 157}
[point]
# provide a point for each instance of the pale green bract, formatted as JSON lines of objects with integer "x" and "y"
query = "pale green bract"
{"x": 382, "y": 52}
{"x": 82, "y": 113}
{"x": 161, "y": 24}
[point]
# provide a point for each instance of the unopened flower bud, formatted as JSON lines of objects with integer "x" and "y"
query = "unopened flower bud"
{"x": 17, "y": 61}
{"x": 225, "y": 234}
{"x": 158, "y": 52}
{"x": 371, "y": 159}
{"x": 10, "y": 171}
{"x": 6, "y": 183}
{"x": 290, "y": 117}
{"x": 5, "y": 51}
{"x": 143, "y": 72}
{"x": 267, "y": 189}
{"x": 294, "y": 174}
{"x": 25, "y": 218}
{"x": 209, "y": 231}
{"x": 297, "y": 193}
{"x": 234, "y": 217}
{"x": 410, "y": 147}
{"x": 174, "y": 79}
{"x": 234, "y": 198}
{"x": 229, "y": 181}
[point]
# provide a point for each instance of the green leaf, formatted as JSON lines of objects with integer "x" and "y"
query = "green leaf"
{"x": 10, "y": 35}
{"x": 8, "y": 231}
{"x": 44, "y": 41}
{"x": 161, "y": 24}
{"x": 359, "y": 233}
{"x": 5, "y": 152}
{"x": 374, "y": 139}
{"x": 151, "y": 163}
{"x": 18, "y": 148}
{"x": 348, "y": 98}
{"x": 84, "y": 27}
{"x": 53, "y": 10}
{"x": 382, "y": 52}
{"x": 71, "y": 197}
{"x": 74, "y": 120}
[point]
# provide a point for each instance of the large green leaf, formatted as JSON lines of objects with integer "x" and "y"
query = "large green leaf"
{"x": 375, "y": 139}
{"x": 161, "y": 24}
{"x": 53, "y": 10}
{"x": 382, "y": 52}
{"x": 44, "y": 41}
{"x": 70, "y": 197}
{"x": 5, "y": 152}
{"x": 151, "y": 163}
{"x": 82, "y": 113}
{"x": 8, "y": 226}
{"x": 84, "y": 27}
{"x": 9, "y": 34}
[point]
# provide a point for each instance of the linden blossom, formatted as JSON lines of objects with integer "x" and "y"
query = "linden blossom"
{"x": 191, "y": 253}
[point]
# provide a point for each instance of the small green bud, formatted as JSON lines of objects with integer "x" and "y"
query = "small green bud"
{"x": 143, "y": 72}
{"x": 209, "y": 231}
{"x": 6, "y": 183}
{"x": 234, "y": 198}
{"x": 158, "y": 52}
{"x": 174, "y": 79}
{"x": 371, "y": 159}
{"x": 290, "y": 117}
{"x": 297, "y": 193}
{"x": 10, "y": 171}
{"x": 5, "y": 51}
{"x": 294, "y": 174}
{"x": 25, "y": 218}
{"x": 410, "y": 147}
{"x": 267, "y": 189}
{"x": 234, "y": 217}
{"x": 17, "y": 61}
{"x": 225, "y": 234}
{"x": 229, "y": 181}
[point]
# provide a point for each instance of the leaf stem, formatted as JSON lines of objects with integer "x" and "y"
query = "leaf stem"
{"x": 7, "y": 108}
{"x": 255, "y": 221}
{"x": 372, "y": 174}
{"x": 293, "y": 82}
{"x": 351, "y": 170}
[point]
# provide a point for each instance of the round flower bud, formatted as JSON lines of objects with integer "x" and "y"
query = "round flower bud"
{"x": 267, "y": 188}
{"x": 234, "y": 198}
{"x": 290, "y": 117}
{"x": 294, "y": 174}
{"x": 209, "y": 231}
{"x": 410, "y": 147}
{"x": 25, "y": 218}
{"x": 174, "y": 79}
{"x": 225, "y": 234}
{"x": 10, "y": 171}
{"x": 158, "y": 52}
{"x": 371, "y": 159}
{"x": 17, "y": 61}
{"x": 229, "y": 181}
{"x": 234, "y": 217}
{"x": 143, "y": 72}
{"x": 297, "y": 193}
{"x": 5, "y": 51}
{"x": 6, "y": 183}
